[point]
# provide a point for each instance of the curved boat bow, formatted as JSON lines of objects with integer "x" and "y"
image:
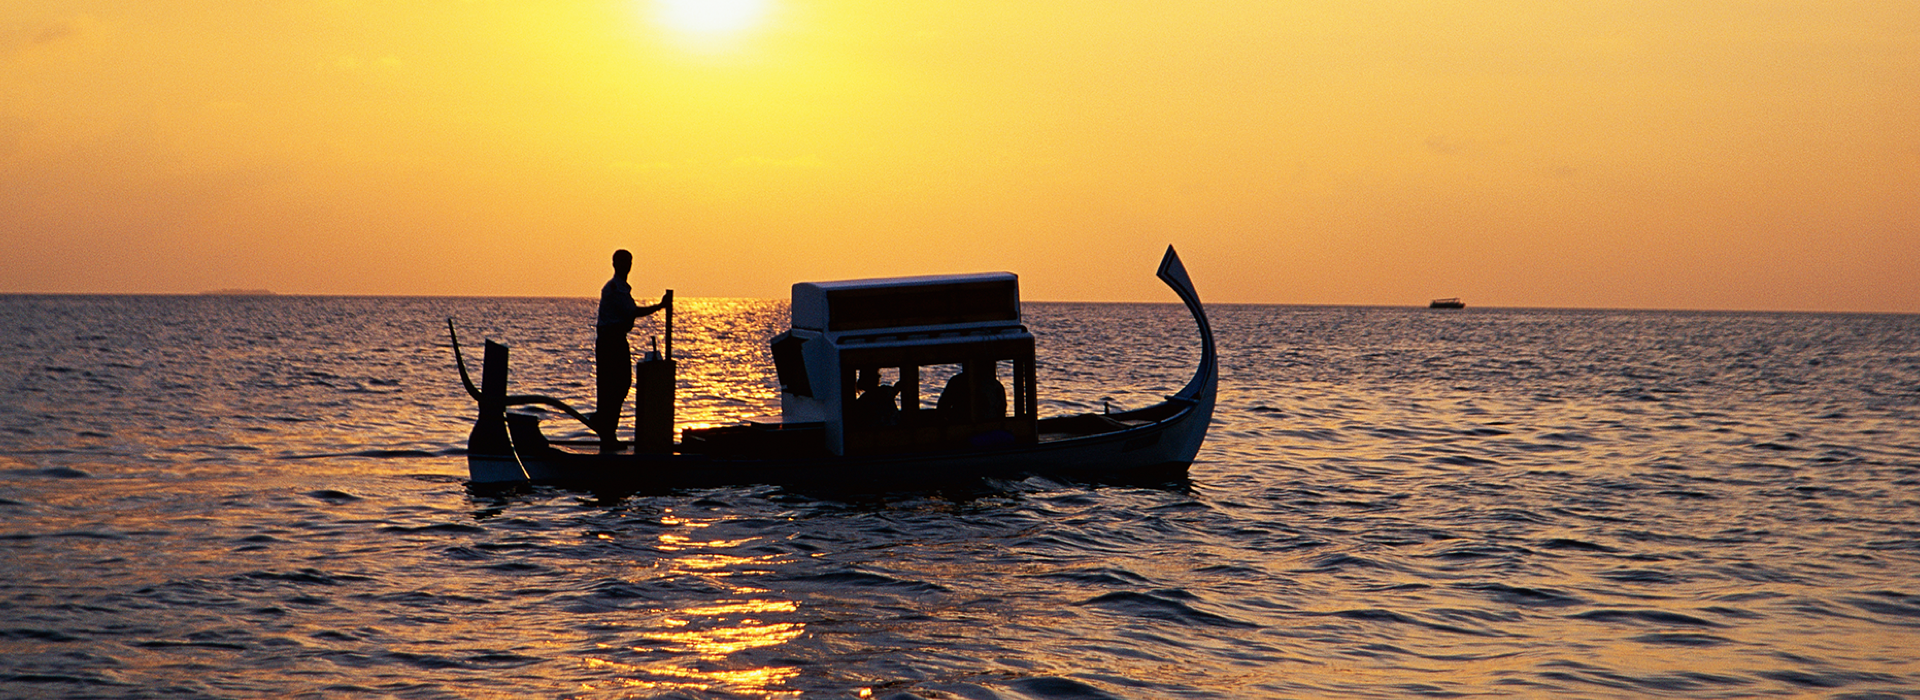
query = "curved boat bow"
{"x": 1206, "y": 379}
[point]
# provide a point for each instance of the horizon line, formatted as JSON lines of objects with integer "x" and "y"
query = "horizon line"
{"x": 266, "y": 293}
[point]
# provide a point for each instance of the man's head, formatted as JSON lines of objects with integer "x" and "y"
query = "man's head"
{"x": 622, "y": 262}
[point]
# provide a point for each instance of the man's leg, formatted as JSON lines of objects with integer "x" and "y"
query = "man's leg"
{"x": 613, "y": 372}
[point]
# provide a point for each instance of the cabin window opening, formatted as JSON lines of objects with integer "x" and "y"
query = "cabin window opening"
{"x": 968, "y": 392}
{"x": 876, "y": 397}
{"x": 934, "y": 377}
{"x": 975, "y": 391}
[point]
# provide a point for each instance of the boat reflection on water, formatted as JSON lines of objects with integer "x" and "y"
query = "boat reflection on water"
{"x": 700, "y": 648}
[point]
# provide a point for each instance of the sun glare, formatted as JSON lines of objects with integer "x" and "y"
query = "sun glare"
{"x": 709, "y": 17}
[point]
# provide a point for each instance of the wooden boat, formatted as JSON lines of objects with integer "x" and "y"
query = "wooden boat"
{"x": 833, "y": 434}
{"x": 1448, "y": 303}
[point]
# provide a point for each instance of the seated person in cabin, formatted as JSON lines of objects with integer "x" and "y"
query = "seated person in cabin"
{"x": 987, "y": 400}
{"x": 875, "y": 406}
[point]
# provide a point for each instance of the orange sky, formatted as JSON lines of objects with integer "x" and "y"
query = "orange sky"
{"x": 1737, "y": 154}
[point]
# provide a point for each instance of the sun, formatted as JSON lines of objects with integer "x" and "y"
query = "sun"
{"x": 709, "y": 17}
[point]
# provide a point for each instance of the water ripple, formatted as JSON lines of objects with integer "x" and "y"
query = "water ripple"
{"x": 266, "y": 497}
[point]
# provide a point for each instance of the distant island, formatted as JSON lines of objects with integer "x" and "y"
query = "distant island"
{"x": 238, "y": 293}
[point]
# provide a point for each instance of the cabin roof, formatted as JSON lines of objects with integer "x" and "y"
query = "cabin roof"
{"x": 900, "y": 302}
{"x": 914, "y": 281}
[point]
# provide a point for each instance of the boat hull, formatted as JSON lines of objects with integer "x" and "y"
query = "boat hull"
{"x": 1155, "y": 452}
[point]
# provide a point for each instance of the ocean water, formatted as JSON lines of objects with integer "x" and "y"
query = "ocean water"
{"x": 253, "y": 496}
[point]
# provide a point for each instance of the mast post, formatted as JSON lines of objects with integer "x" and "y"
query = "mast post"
{"x": 489, "y": 434}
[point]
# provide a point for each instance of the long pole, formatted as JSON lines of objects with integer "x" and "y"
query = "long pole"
{"x": 669, "y": 324}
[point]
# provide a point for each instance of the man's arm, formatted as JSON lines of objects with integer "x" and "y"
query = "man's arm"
{"x": 664, "y": 301}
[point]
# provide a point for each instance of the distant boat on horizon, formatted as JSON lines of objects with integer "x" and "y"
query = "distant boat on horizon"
{"x": 1447, "y": 303}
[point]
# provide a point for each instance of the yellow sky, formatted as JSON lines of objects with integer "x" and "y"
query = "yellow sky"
{"x": 1737, "y": 154}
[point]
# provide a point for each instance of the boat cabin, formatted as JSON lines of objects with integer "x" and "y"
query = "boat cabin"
{"x": 899, "y": 365}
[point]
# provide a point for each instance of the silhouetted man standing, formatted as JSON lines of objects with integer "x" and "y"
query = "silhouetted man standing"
{"x": 612, "y": 360}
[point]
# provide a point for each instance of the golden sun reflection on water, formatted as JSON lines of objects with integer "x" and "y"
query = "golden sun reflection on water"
{"x": 700, "y": 647}
{"x": 718, "y": 642}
